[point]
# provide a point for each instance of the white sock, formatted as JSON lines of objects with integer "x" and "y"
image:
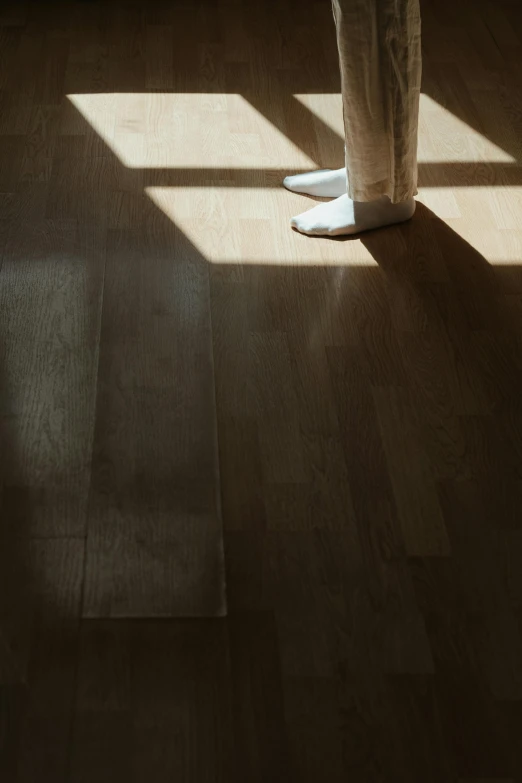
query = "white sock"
{"x": 327, "y": 183}
{"x": 344, "y": 216}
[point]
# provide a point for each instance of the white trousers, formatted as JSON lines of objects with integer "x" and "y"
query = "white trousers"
{"x": 380, "y": 58}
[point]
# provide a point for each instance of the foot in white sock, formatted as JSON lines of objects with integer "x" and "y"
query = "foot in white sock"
{"x": 344, "y": 216}
{"x": 327, "y": 183}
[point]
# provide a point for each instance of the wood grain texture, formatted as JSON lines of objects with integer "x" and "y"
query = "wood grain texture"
{"x": 366, "y": 395}
{"x": 153, "y": 701}
{"x": 49, "y": 316}
{"x": 119, "y": 313}
{"x": 154, "y": 541}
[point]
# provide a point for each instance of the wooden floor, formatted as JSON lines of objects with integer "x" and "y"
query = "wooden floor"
{"x": 367, "y": 396}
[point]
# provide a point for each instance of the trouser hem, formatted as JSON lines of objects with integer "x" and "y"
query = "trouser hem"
{"x": 378, "y": 190}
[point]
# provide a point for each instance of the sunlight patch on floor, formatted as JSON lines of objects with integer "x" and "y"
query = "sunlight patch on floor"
{"x": 168, "y": 130}
{"x": 224, "y": 132}
{"x": 443, "y": 137}
{"x": 327, "y": 109}
{"x": 251, "y": 226}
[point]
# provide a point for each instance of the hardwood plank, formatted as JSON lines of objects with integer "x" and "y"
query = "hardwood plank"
{"x": 314, "y": 728}
{"x": 153, "y": 701}
{"x": 50, "y": 79}
{"x": 154, "y": 540}
{"x": 159, "y": 45}
{"x": 51, "y": 285}
{"x": 10, "y": 162}
{"x": 40, "y": 606}
{"x": 414, "y": 488}
{"x": 257, "y": 693}
{"x": 393, "y": 723}
{"x": 241, "y": 474}
{"x": 368, "y": 475}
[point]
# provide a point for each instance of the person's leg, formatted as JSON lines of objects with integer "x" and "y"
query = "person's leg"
{"x": 380, "y": 60}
